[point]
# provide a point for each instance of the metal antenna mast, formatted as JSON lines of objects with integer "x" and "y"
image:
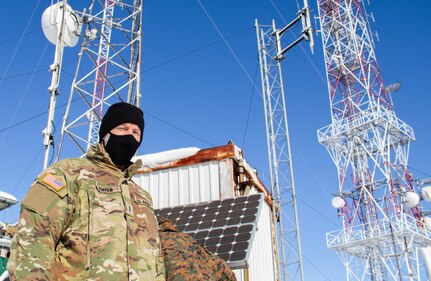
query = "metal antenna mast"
{"x": 288, "y": 245}
{"x": 383, "y": 230}
{"x": 55, "y": 68}
{"x": 108, "y": 68}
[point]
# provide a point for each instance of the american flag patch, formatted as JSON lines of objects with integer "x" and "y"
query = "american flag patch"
{"x": 53, "y": 181}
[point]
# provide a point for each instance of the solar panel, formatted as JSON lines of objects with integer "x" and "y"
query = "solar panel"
{"x": 225, "y": 227}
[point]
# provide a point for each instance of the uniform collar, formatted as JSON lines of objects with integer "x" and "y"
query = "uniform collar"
{"x": 98, "y": 156}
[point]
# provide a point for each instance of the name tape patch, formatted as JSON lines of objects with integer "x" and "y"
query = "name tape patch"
{"x": 54, "y": 182}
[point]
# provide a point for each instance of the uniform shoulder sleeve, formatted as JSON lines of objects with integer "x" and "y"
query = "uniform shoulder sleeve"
{"x": 48, "y": 188}
{"x": 42, "y": 219}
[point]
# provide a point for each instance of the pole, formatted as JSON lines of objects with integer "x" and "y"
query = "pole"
{"x": 55, "y": 68}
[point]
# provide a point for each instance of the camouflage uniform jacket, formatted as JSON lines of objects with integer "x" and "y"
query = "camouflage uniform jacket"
{"x": 84, "y": 219}
{"x": 186, "y": 260}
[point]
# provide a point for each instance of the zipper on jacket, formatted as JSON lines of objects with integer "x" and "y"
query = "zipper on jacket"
{"x": 87, "y": 267}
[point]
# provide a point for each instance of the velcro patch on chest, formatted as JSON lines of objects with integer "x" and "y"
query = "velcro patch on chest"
{"x": 54, "y": 182}
{"x": 107, "y": 188}
{"x": 143, "y": 201}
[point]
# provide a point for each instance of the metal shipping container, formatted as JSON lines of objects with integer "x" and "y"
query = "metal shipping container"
{"x": 212, "y": 174}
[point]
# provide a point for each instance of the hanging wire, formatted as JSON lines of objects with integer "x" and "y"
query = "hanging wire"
{"x": 229, "y": 47}
{"x": 23, "y": 95}
{"x": 249, "y": 109}
{"x": 12, "y": 58}
{"x": 19, "y": 43}
{"x": 179, "y": 129}
{"x": 416, "y": 170}
{"x": 196, "y": 50}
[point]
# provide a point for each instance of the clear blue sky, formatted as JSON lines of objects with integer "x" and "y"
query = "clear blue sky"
{"x": 192, "y": 81}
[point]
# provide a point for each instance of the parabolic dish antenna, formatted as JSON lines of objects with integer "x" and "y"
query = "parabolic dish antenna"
{"x": 7, "y": 200}
{"x": 51, "y": 24}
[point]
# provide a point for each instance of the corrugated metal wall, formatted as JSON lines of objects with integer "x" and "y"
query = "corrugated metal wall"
{"x": 261, "y": 262}
{"x": 189, "y": 184}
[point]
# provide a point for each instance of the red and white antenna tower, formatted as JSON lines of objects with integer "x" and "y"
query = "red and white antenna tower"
{"x": 384, "y": 230}
{"x": 108, "y": 68}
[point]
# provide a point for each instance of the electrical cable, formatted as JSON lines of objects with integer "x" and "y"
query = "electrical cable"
{"x": 19, "y": 43}
{"x": 27, "y": 169}
{"x": 316, "y": 268}
{"x": 317, "y": 212}
{"x": 19, "y": 36}
{"x": 179, "y": 129}
{"x": 23, "y": 95}
{"x": 249, "y": 109}
{"x": 44, "y": 69}
{"x": 23, "y": 121}
{"x": 33, "y": 117}
{"x": 229, "y": 47}
{"x": 195, "y": 50}
{"x": 425, "y": 174}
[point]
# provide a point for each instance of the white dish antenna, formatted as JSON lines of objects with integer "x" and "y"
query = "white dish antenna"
{"x": 411, "y": 199}
{"x": 338, "y": 202}
{"x": 427, "y": 223}
{"x": 7, "y": 200}
{"x": 426, "y": 193}
{"x": 51, "y": 24}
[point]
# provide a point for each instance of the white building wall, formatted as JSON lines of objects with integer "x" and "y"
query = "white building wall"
{"x": 188, "y": 184}
{"x": 260, "y": 260}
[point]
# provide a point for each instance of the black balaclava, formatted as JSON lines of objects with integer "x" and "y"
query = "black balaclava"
{"x": 121, "y": 148}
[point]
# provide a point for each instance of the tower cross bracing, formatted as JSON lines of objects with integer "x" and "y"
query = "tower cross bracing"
{"x": 382, "y": 234}
{"x": 108, "y": 68}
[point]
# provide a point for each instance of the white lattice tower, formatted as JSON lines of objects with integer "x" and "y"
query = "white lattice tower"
{"x": 369, "y": 144}
{"x": 108, "y": 69}
{"x": 101, "y": 72}
{"x": 288, "y": 249}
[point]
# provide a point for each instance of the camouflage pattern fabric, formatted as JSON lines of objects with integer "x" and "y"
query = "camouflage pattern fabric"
{"x": 186, "y": 260}
{"x": 84, "y": 219}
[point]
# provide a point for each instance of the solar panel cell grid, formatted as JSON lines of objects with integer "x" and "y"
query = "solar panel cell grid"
{"x": 224, "y": 227}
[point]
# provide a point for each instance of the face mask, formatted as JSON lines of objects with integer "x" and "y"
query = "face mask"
{"x": 120, "y": 148}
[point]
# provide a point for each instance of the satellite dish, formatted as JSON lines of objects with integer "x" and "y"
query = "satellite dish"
{"x": 338, "y": 202}
{"x": 393, "y": 88}
{"x": 412, "y": 199}
{"x": 427, "y": 223}
{"x": 7, "y": 200}
{"x": 426, "y": 193}
{"x": 51, "y": 24}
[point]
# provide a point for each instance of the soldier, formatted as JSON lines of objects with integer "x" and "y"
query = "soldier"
{"x": 85, "y": 219}
{"x": 186, "y": 260}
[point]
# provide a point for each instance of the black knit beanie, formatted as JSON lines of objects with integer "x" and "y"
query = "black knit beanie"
{"x": 120, "y": 113}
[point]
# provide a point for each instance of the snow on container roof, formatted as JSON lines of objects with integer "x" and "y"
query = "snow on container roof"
{"x": 165, "y": 158}
{"x": 189, "y": 156}
{"x": 203, "y": 155}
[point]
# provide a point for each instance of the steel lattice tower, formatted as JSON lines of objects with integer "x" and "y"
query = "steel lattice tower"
{"x": 288, "y": 252}
{"x": 382, "y": 232}
{"x": 108, "y": 68}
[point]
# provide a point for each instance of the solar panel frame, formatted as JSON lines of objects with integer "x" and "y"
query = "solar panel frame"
{"x": 225, "y": 227}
